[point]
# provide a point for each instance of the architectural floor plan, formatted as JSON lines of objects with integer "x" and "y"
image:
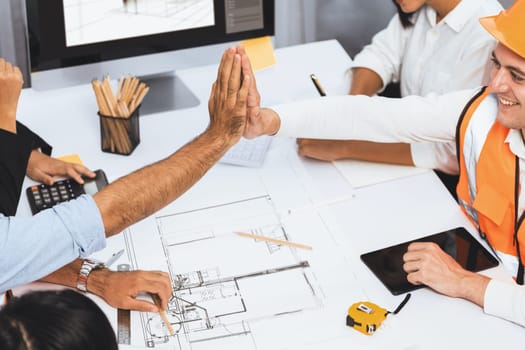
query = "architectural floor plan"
{"x": 93, "y": 21}
{"x": 222, "y": 282}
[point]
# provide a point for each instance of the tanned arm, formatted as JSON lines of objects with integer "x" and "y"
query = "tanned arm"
{"x": 365, "y": 82}
{"x": 143, "y": 192}
{"x": 119, "y": 289}
{"x": 147, "y": 190}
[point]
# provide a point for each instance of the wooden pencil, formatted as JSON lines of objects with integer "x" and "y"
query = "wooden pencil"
{"x": 162, "y": 313}
{"x": 273, "y": 240}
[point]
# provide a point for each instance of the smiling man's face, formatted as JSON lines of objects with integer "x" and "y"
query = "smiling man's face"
{"x": 508, "y": 83}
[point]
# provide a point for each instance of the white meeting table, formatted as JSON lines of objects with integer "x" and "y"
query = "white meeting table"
{"x": 354, "y": 221}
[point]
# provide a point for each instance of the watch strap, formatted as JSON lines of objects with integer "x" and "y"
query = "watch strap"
{"x": 88, "y": 265}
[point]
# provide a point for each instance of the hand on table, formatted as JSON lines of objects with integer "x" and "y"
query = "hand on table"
{"x": 327, "y": 150}
{"x": 426, "y": 263}
{"x": 45, "y": 169}
{"x": 120, "y": 288}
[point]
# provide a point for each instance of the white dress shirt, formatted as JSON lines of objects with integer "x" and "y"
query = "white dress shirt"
{"x": 412, "y": 119}
{"x": 433, "y": 57}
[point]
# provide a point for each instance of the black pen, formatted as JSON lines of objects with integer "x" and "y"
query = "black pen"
{"x": 317, "y": 85}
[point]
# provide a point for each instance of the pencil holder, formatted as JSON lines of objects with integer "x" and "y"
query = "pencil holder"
{"x": 119, "y": 135}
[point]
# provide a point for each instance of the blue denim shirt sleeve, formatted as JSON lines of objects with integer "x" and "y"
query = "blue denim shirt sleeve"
{"x": 33, "y": 247}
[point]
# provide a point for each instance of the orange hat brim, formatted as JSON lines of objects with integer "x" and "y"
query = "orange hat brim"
{"x": 490, "y": 25}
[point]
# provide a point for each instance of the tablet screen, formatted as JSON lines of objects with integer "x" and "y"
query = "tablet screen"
{"x": 387, "y": 263}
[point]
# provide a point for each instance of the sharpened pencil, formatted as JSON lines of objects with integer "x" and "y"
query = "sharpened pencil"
{"x": 273, "y": 240}
{"x": 162, "y": 313}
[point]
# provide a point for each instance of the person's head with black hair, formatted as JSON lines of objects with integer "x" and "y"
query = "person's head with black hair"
{"x": 404, "y": 16}
{"x": 55, "y": 320}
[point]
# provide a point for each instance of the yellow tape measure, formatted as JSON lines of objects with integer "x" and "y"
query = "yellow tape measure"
{"x": 366, "y": 317}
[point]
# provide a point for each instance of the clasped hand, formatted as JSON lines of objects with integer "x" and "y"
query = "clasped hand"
{"x": 11, "y": 82}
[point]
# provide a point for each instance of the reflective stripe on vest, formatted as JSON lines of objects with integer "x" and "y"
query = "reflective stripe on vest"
{"x": 487, "y": 184}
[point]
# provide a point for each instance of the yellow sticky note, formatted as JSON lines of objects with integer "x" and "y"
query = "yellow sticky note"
{"x": 71, "y": 158}
{"x": 260, "y": 52}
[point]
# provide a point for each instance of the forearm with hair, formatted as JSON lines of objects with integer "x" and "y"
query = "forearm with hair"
{"x": 66, "y": 275}
{"x": 143, "y": 192}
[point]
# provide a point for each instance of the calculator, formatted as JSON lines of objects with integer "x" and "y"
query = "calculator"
{"x": 42, "y": 196}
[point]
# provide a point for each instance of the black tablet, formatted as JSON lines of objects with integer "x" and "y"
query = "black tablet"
{"x": 387, "y": 263}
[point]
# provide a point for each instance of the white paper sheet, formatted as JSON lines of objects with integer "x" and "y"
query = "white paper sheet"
{"x": 230, "y": 291}
{"x": 362, "y": 173}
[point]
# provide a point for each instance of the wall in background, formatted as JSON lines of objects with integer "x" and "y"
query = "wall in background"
{"x": 352, "y": 22}
{"x": 13, "y": 42}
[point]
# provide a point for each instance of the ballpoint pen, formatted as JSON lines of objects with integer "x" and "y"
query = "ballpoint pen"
{"x": 114, "y": 258}
{"x": 317, "y": 85}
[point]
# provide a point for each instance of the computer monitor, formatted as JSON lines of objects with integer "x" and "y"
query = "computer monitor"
{"x": 72, "y": 42}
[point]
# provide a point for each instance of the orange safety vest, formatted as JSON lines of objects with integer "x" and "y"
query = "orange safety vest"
{"x": 488, "y": 186}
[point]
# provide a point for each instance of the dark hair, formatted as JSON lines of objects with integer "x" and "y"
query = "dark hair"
{"x": 57, "y": 320}
{"x": 403, "y": 16}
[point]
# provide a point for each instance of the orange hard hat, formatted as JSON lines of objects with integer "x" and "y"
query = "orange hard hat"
{"x": 508, "y": 27}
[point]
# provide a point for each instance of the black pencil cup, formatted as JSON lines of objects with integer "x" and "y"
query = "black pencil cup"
{"x": 119, "y": 135}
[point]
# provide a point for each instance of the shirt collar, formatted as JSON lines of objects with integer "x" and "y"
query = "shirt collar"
{"x": 515, "y": 142}
{"x": 458, "y": 17}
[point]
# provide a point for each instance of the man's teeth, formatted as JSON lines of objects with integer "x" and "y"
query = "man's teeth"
{"x": 506, "y": 102}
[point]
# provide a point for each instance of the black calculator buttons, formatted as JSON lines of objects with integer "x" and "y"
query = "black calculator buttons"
{"x": 45, "y": 196}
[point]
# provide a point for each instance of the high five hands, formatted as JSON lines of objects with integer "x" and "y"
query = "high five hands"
{"x": 236, "y": 84}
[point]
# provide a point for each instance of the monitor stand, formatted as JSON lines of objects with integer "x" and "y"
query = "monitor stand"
{"x": 167, "y": 92}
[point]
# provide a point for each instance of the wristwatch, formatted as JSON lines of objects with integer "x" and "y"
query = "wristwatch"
{"x": 88, "y": 265}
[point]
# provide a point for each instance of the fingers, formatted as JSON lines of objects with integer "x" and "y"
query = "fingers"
{"x": 47, "y": 179}
{"x": 254, "y": 98}
{"x": 140, "y": 305}
{"x": 246, "y": 64}
{"x": 411, "y": 266}
{"x": 225, "y": 69}
{"x": 3, "y": 65}
{"x": 162, "y": 287}
{"x": 72, "y": 173}
{"x": 228, "y": 81}
{"x": 414, "y": 278}
{"x": 234, "y": 82}
{"x": 7, "y": 70}
{"x": 242, "y": 95}
{"x": 155, "y": 282}
{"x": 84, "y": 171}
{"x": 211, "y": 101}
{"x": 42, "y": 177}
{"x": 134, "y": 283}
{"x": 420, "y": 246}
{"x": 76, "y": 171}
{"x": 235, "y": 76}
{"x": 44, "y": 168}
{"x": 17, "y": 72}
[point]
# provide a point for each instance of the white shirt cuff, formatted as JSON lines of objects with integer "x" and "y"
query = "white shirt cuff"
{"x": 506, "y": 301}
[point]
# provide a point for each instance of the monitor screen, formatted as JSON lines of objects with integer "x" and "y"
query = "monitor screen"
{"x": 74, "y": 41}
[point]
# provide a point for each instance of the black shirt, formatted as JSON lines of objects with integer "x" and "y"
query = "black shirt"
{"x": 15, "y": 150}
